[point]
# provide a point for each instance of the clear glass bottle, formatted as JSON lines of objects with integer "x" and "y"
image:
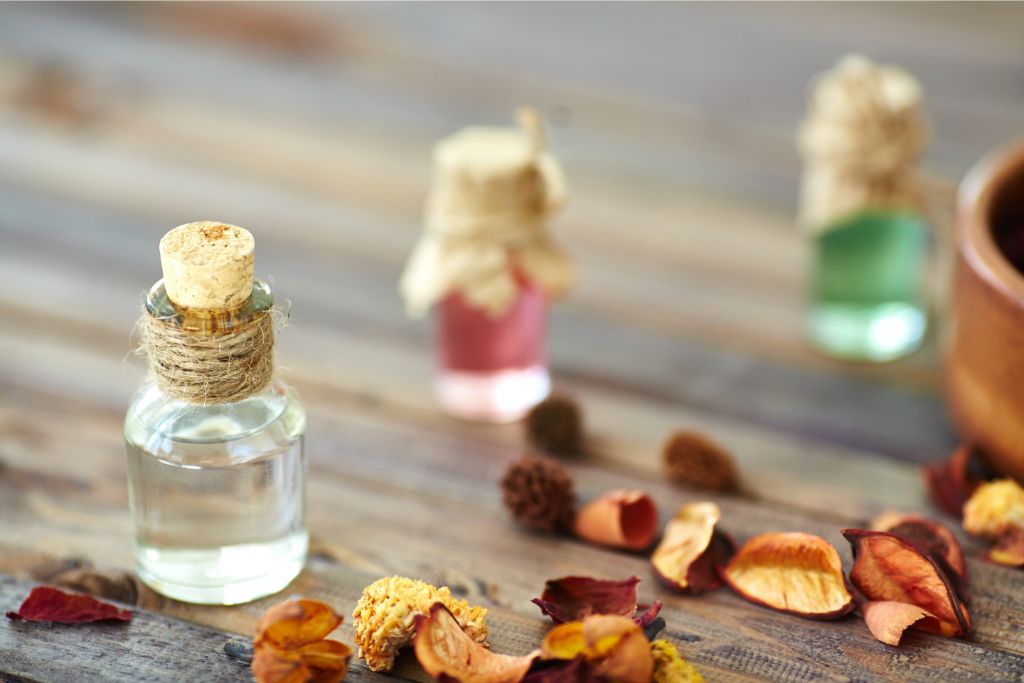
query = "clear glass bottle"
{"x": 867, "y": 296}
{"x": 492, "y": 368}
{"x": 217, "y": 491}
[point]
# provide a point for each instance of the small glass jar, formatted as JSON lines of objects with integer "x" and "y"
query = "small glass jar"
{"x": 492, "y": 368}
{"x": 867, "y": 291}
{"x": 217, "y": 491}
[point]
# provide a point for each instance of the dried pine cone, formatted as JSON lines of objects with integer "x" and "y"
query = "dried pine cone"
{"x": 383, "y": 618}
{"x": 539, "y": 493}
{"x": 694, "y": 460}
{"x": 555, "y": 425}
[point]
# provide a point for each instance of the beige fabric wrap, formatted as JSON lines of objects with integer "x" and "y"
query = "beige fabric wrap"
{"x": 493, "y": 190}
{"x": 864, "y": 134}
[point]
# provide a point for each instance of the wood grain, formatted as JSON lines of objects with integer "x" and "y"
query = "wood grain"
{"x": 311, "y": 125}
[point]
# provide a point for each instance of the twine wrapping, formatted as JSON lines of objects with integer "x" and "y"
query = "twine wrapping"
{"x": 864, "y": 134}
{"x": 486, "y": 216}
{"x": 206, "y": 367}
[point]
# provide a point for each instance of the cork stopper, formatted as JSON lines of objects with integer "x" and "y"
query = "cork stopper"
{"x": 490, "y": 170}
{"x": 208, "y": 265}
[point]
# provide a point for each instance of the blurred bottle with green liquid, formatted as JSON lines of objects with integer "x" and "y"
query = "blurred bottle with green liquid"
{"x": 862, "y": 209}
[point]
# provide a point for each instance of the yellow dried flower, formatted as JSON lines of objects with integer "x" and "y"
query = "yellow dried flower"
{"x": 669, "y": 665}
{"x": 384, "y": 616}
{"x": 994, "y": 507}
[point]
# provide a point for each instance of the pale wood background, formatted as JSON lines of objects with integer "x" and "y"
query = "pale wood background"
{"x": 311, "y": 125}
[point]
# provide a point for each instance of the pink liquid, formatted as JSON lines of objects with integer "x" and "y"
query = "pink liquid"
{"x": 492, "y": 369}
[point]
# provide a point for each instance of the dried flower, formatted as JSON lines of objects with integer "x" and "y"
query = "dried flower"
{"x": 888, "y": 568}
{"x": 572, "y": 598}
{"x": 290, "y": 644}
{"x": 694, "y": 460}
{"x": 385, "y": 614}
{"x": 45, "y": 603}
{"x": 791, "y": 572}
{"x": 888, "y": 619}
{"x": 993, "y": 507}
{"x": 624, "y": 518}
{"x": 614, "y": 647}
{"x": 951, "y": 482}
{"x": 692, "y": 550}
{"x": 539, "y": 493}
{"x": 669, "y": 665}
{"x": 555, "y": 425}
{"x": 448, "y": 654}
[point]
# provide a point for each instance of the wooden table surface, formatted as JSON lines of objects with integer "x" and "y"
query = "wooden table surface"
{"x": 311, "y": 125}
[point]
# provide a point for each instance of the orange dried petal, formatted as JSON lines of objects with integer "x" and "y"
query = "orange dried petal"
{"x": 327, "y": 660}
{"x": 614, "y": 646}
{"x": 888, "y": 568}
{"x": 933, "y": 539}
{"x": 271, "y": 665}
{"x": 690, "y": 551}
{"x": 1009, "y": 548}
{"x": 447, "y": 653}
{"x": 294, "y": 623}
{"x": 625, "y": 518}
{"x": 888, "y": 619}
{"x": 993, "y": 507}
{"x": 791, "y": 572}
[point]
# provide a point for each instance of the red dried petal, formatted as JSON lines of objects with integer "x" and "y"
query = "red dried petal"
{"x": 571, "y": 598}
{"x": 447, "y": 653}
{"x": 577, "y": 670}
{"x": 951, "y": 482}
{"x": 934, "y": 540}
{"x": 888, "y": 568}
{"x": 888, "y": 620}
{"x": 50, "y": 604}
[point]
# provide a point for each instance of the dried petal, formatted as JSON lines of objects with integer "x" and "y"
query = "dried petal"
{"x": 1009, "y": 548}
{"x": 951, "y": 482}
{"x": 994, "y": 507}
{"x": 448, "y": 654}
{"x": 577, "y": 670}
{"x": 791, "y": 572}
{"x": 572, "y": 598}
{"x": 51, "y": 604}
{"x": 625, "y": 518}
{"x": 294, "y": 623}
{"x": 384, "y": 617}
{"x": 614, "y": 646}
{"x": 670, "y": 667}
{"x": 289, "y": 645}
{"x": 933, "y": 539}
{"x": 691, "y": 550}
{"x": 888, "y": 620}
{"x": 888, "y": 568}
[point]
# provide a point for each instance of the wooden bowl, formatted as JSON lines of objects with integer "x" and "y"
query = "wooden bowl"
{"x": 985, "y": 361}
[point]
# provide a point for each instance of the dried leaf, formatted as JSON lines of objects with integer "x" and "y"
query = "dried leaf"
{"x": 691, "y": 550}
{"x": 447, "y": 653}
{"x": 290, "y": 646}
{"x": 45, "y": 603}
{"x": 933, "y": 539}
{"x": 625, "y": 518}
{"x": 888, "y": 568}
{"x": 572, "y": 598}
{"x": 793, "y": 572}
{"x": 614, "y": 646}
{"x": 888, "y": 619}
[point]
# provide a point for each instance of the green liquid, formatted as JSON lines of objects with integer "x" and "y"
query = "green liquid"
{"x": 866, "y": 298}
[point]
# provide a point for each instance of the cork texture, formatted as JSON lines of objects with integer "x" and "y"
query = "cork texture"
{"x": 208, "y": 265}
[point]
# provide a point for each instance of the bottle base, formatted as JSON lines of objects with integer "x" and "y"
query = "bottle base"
{"x": 876, "y": 333}
{"x": 496, "y": 397}
{"x": 222, "y": 576}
